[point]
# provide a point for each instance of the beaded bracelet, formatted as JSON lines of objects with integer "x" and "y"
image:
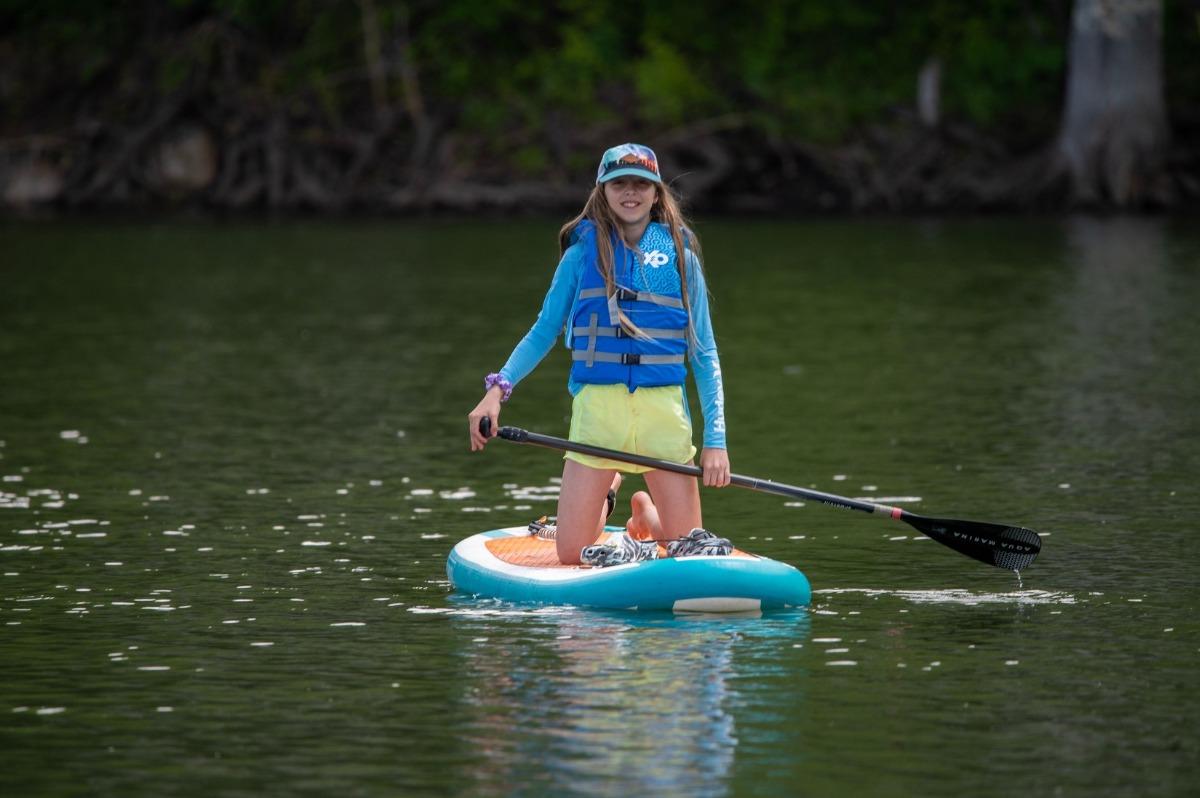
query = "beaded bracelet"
{"x": 496, "y": 379}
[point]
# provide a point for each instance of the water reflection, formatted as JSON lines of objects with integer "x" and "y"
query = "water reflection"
{"x": 603, "y": 703}
{"x": 1114, "y": 314}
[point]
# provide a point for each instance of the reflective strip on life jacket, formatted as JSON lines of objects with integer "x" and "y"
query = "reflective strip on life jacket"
{"x": 628, "y": 358}
{"x": 617, "y": 332}
{"x": 628, "y": 295}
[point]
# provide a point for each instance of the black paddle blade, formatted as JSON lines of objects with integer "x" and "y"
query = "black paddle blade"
{"x": 1012, "y": 548}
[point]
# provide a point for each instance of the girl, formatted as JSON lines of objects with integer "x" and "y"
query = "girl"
{"x": 630, "y": 297}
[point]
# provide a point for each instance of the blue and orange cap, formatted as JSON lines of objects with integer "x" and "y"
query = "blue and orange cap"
{"x": 635, "y": 160}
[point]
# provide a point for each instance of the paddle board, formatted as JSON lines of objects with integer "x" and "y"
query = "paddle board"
{"x": 514, "y": 565}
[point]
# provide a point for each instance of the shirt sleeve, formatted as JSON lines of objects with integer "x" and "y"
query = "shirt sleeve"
{"x": 706, "y": 364}
{"x": 550, "y": 322}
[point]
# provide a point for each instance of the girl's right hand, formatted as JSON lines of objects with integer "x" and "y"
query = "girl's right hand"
{"x": 488, "y": 407}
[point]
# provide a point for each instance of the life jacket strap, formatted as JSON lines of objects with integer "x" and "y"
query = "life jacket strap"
{"x": 623, "y": 294}
{"x": 590, "y": 331}
{"x": 628, "y": 358}
{"x": 620, "y": 332}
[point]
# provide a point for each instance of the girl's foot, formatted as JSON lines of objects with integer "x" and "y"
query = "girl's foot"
{"x": 640, "y": 526}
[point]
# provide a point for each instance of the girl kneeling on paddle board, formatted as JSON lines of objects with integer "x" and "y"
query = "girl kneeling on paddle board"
{"x": 630, "y": 297}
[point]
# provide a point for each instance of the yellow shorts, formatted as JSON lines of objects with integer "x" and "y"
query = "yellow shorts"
{"x": 652, "y": 422}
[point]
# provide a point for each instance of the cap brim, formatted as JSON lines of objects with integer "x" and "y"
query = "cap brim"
{"x": 630, "y": 171}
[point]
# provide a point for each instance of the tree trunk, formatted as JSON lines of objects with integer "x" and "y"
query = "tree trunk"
{"x": 376, "y": 69}
{"x": 1114, "y": 132}
{"x": 929, "y": 93}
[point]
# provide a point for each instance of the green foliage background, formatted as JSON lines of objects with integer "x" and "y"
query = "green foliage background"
{"x": 501, "y": 72}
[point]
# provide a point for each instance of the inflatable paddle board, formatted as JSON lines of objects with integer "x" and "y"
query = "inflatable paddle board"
{"x": 514, "y": 565}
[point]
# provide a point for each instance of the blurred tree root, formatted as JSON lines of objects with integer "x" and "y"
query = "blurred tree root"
{"x": 271, "y": 158}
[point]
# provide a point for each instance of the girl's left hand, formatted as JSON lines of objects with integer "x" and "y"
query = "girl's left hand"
{"x": 715, "y": 463}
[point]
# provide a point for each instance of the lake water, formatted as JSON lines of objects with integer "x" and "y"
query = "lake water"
{"x": 234, "y": 459}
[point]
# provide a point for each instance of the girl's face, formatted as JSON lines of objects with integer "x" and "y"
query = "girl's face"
{"x": 631, "y": 199}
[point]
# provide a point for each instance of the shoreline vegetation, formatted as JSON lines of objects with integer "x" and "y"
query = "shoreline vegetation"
{"x": 236, "y": 106}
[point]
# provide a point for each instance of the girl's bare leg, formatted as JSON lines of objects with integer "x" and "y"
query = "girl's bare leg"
{"x": 581, "y": 508}
{"x": 677, "y": 499}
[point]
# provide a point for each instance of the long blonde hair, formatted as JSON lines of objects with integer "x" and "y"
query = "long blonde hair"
{"x": 666, "y": 212}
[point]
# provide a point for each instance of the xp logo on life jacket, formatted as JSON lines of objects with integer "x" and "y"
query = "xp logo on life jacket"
{"x": 655, "y": 258}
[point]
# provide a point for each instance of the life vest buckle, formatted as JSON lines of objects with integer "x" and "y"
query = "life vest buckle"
{"x": 630, "y": 359}
{"x": 624, "y": 294}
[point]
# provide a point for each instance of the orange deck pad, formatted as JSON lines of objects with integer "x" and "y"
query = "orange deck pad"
{"x": 534, "y": 552}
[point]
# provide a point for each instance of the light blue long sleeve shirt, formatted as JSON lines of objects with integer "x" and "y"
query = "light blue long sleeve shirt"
{"x": 559, "y": 307}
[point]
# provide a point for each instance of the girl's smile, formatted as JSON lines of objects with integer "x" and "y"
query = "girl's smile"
{"x": 631, "y": 200}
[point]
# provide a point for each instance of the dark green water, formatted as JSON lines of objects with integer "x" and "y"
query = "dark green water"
{"x": 234, "y": 459}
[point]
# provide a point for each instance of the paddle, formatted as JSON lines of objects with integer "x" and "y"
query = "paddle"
{"x": 1013, "y": 548}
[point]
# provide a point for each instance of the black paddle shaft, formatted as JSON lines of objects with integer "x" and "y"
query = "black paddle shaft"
{"x": 1004, "y": 546}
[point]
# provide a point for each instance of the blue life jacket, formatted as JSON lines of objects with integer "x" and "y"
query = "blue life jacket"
{"x": 604, "y": 352}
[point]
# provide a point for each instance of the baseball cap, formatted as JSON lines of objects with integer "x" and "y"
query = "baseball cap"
{"x": 635, "y": 160}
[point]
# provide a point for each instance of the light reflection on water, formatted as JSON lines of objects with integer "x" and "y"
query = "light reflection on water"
{"x": 961, "y": 596}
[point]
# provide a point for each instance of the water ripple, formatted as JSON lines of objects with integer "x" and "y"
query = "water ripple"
{"x": 959, "y": 596}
